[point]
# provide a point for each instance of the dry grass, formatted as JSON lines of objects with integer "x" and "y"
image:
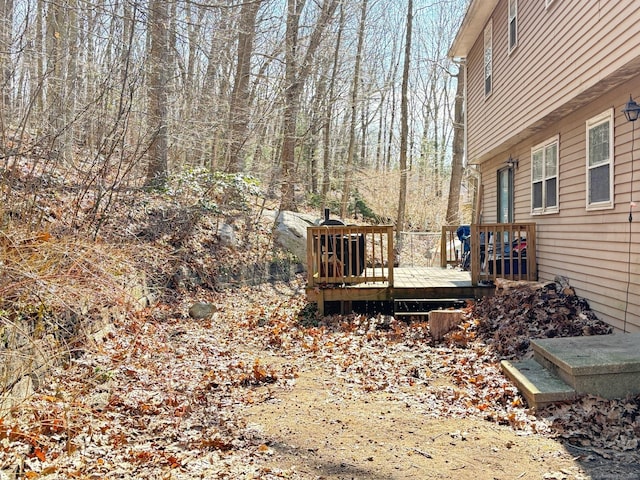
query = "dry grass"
{"x": 54, "y": 292}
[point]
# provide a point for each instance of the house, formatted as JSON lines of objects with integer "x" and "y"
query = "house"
{"x": 547, "y": 83}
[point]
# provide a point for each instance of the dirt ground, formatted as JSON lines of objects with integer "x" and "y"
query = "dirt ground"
{"x": 324, "y": 429}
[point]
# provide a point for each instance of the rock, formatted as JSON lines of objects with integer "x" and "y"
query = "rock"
{"x": 227, "y": 236}
{"x": 202, "y": 310}
{"x": 18, "y": 393}
{"x": 291, "y": 233}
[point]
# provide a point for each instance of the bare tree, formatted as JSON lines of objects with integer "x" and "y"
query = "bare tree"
{"x": 239, "y": 106}
{"x": 297, "y": 69}
{"x": 404, "y": 129}
{"x": 158, "y": 95}
{"x": 6, "y": 41}
{"x": 348, "y": 173}
{"x": 328, "y": 113}
{"x": 457, "y": 167}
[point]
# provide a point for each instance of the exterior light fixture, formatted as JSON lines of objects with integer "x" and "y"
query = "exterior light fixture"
{"x": 513, "y": 162}
{"x": 631, "y": 110}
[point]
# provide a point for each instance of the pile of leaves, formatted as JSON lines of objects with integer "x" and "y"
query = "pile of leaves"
{"x": 604, "y": 427}
{"x": 509, "y": 321}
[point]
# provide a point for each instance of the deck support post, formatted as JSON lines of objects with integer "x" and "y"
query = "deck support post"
{"x": 345, "y": 307}
{"x": 320, "y": 301}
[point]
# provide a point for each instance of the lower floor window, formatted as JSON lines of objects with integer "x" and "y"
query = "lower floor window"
{"x": 544, "y": 177}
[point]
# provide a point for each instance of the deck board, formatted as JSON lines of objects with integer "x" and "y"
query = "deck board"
{"x": 430, "y": 277}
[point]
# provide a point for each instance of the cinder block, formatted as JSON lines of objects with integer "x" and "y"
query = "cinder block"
{"x": 442, "y": 322}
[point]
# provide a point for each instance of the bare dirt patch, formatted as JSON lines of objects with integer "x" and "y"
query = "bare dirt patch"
{"x": 319, "y": 430}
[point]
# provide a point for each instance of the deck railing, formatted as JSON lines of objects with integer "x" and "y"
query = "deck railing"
{"x": 503, "y": 250}
{"x": 342, "y": 255}
{"x": 497, "y": 250}
{"x": 345, "y": 255}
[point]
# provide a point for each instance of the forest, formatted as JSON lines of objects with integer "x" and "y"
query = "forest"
{"x": 322, "y": 103}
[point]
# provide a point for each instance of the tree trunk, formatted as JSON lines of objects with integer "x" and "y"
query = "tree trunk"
{"x": 295, "y": 76}
{"x": 457, "y": 166}
{"x": 158, "y": 95}
{"x": 404, "y": 128}
{"x": 54, "y": 73}
{"x": 328, "y": 115}
{"x": 72, "y": 80}
{"x": 346, "y": 189}
{"x": 6, "y": 67}
{"x": 239, "y": 107}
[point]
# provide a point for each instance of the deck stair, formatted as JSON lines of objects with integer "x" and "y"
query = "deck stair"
{"x": 417, "y": 309}
{"x": 564, "y": 368}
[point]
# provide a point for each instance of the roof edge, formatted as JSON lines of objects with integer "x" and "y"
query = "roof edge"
{"x": 478, "y": 12}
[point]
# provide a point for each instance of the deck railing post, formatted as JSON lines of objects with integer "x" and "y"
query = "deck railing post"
{"x": 475, "y": 255}
{"x": 443, "y": 248}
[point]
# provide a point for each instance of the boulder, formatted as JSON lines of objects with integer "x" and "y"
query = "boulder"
{"x": 291, "y": 233}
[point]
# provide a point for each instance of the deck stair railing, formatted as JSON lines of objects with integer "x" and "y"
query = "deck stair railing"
{"x": 344, "y": 255}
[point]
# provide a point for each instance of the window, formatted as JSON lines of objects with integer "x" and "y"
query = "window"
{"x": 505, "y": 195}
{"x": 513, "y": 24}
{"x": 544, "y": 177}
{"x": 488, "y": 34}
{"x": 599, "y": 161}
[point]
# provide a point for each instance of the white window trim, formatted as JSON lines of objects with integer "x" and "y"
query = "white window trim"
{"x": 606, "y": 116}
{"x": 488, "y": 37}
{"x": 509, "y": 18}
{"x": 544, "y": 210}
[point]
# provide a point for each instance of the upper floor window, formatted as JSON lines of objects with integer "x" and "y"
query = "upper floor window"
{"x": 600, "y": 161}
{"x": 544, "y": 177}
{"x": 488, "y": 54}
{"x": 513, "y": 24}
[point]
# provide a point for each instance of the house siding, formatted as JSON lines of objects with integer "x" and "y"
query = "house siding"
{"x": 590, "y": 248}
{"x": 569, "y": 50}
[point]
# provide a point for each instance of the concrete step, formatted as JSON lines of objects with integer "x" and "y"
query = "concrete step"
{"x": 603, "y": 365}
{"x": 539, "y": 386}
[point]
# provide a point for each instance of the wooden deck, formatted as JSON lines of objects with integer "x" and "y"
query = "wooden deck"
{"x": 358, "y": 264}
{"x": 409, "y": 283}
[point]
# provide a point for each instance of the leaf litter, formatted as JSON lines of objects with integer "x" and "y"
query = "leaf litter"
{"x": 165, "y": 398}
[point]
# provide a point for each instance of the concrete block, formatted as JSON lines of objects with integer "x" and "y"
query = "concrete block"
{"x": 442, "y": 322}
